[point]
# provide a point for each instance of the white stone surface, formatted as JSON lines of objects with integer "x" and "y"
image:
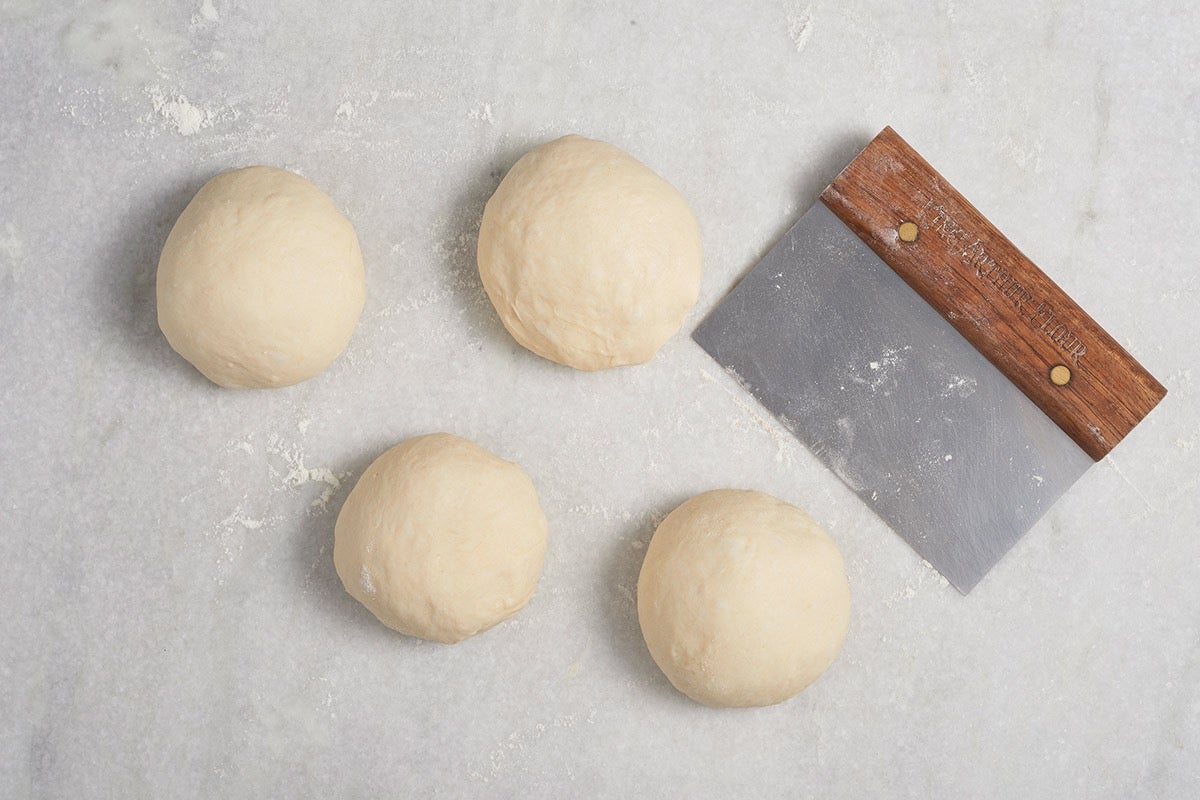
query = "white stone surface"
{"x": 172, "y": 624}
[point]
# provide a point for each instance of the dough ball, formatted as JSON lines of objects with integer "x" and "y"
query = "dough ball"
{"x": 591, "y": 259}
{"x": 441, "y": 539}
{"x": 742, "y": 599}
{"x": 261, "y": 280}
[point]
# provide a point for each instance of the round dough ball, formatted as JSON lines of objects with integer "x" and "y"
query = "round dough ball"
{"x": 743, "y": 599}
{"x": 441, "y": 539}
{"x": 591, "y": 259}
{"x": 261, "y": 280}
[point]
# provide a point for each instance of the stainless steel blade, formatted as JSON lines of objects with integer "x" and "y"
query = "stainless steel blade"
{"x": 891, "y": 398}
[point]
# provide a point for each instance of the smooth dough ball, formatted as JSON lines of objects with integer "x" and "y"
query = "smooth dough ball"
{"x": 440, "y": 538}
{"x": 261, "y": 280}
{"x": 743, "y": 599}
{"x": 591, "y": 259}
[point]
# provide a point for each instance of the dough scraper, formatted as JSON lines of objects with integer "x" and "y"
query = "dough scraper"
{"x": 939, "y": 373}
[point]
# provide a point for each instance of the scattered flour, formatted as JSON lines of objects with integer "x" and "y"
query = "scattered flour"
{"x": 882, "y": 371}
{"x": 1180, "y": 381}
{"x": 926, "y": 575}
{"x": 960, "y": 386}
{"x": 289, "y": 472}
{"x": 512, "y": 748}
{"x": 230, "y": 534}
{"x": 364, "y": 580}
{"x": 239, "y": 518}
{"x": 800, "y": 28}
{"x": 299, "y": 474}
{"x": 178, "y": 112}
{"x": 427, "y": 297}
{"x": 785, "y": 443}
{"x": 598, "y": 510}
{"x": 121, "y": 38}
{"x": 483, "y": 113}
{"x": 351, "y": 105}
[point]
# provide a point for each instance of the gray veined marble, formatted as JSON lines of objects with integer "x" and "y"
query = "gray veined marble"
{"x": 172, "y": 623}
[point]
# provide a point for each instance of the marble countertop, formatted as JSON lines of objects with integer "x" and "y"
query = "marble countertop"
{"x": 173, "y": 625}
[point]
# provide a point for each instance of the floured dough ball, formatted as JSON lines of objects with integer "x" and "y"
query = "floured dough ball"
{"x": 591, "y": 259}
{"x": 441, "y": 539}
{"x": 742, "y": 599}
{"x": 261, "y": 280}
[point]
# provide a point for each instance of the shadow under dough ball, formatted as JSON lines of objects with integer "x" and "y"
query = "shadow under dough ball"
{"x": 591, "y": 259}
{"x": 440, "y": 538}
{"x": 742, "y": 599}
{"x": 260, "y": 282}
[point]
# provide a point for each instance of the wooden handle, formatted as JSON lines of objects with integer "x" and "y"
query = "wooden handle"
{"x": 998, "y": 299}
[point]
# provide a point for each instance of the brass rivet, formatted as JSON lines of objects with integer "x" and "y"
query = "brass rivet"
{"x": 1060, "y": 375}
{"x": 908, "y": 231}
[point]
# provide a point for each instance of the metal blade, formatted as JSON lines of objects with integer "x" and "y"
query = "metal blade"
{"x": 891, "y": 398}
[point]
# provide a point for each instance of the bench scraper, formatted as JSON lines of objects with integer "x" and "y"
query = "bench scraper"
{"x": 927, "y": 362}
